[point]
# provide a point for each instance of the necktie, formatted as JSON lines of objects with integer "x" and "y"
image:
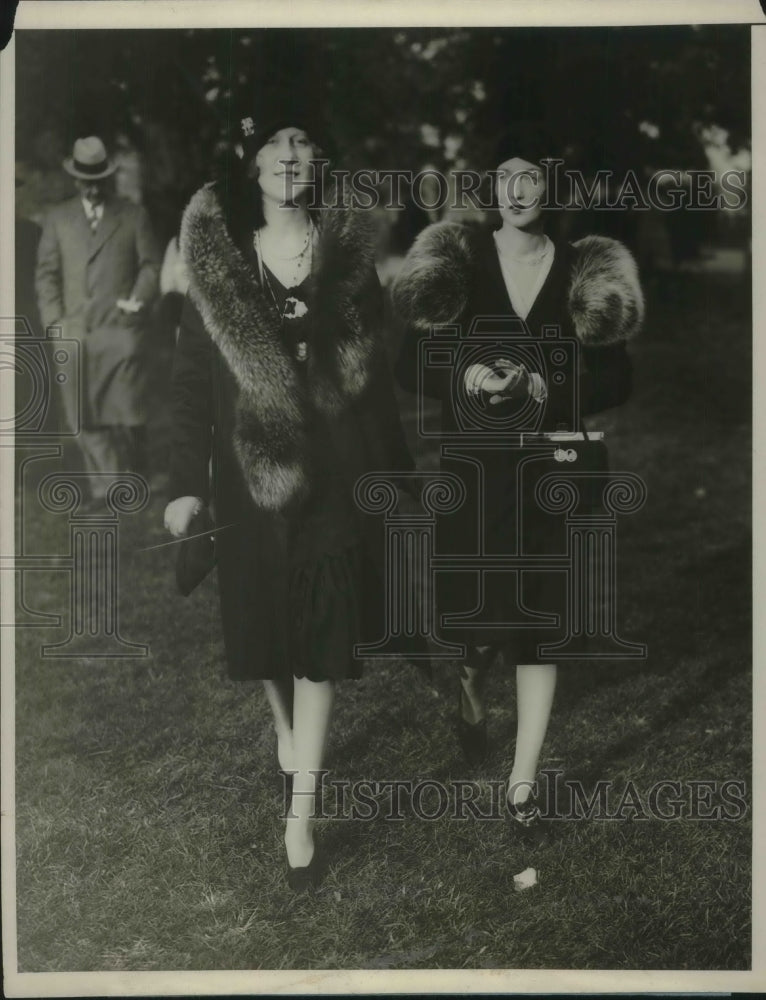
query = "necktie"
{"x": 92, "y": 218}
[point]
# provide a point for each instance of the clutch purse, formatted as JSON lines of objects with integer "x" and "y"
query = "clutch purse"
{"x": 196, "y": 554}
{"x": 589, "y": 454}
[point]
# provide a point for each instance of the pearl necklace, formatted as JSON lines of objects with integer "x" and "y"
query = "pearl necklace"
{"x": 526, "y": 260}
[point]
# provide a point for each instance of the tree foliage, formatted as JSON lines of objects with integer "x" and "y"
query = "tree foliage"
{"x": 394, "y": 98}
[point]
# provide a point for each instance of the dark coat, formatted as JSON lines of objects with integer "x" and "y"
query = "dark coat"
{"x": 592, "y": 295}
{"x": 238, "y": 396}
{"x": 80, "y": 276}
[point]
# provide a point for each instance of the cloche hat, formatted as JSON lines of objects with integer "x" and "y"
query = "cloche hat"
{"x": 529, "y": 140}
{"x": 258, "y": 121}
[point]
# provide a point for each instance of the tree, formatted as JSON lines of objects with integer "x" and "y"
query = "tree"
{"x": 394, "y": 98}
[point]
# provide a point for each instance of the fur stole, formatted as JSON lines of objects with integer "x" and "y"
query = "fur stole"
{"x": 275, "y": 407}
{"x": 604, "y": 295}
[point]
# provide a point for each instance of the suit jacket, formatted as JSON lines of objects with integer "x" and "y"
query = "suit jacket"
{"x": 80, "y": 275}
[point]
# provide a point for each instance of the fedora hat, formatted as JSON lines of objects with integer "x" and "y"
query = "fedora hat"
{"x": 89, "y": 161}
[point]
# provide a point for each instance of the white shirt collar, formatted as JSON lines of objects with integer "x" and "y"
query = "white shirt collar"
{"x": 91, "y": 209}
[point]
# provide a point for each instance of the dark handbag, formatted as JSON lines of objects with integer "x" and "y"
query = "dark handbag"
{"x": 588, "y": 458}
{"x": 196, "y": 553}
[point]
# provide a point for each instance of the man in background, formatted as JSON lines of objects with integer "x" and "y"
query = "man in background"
{"x": 97, "y": 272}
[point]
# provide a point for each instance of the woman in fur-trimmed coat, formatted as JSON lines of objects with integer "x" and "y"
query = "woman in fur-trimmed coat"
{"x": 281, "y": 376}
{"x": 492, "y": 387}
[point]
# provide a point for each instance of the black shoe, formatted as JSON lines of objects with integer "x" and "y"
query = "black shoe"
{"x": 525, "y": 820}
{"x": 527, "y": 814}
{"x": 472, "y": 736}
{"x": 305, "y": 877}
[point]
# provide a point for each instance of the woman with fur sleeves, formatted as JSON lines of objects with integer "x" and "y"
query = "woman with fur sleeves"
{"x": 512, "y": 279}
{"x": 281, "y": 378}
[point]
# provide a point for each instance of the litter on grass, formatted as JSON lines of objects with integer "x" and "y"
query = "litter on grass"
{"x": 525, "y": 880}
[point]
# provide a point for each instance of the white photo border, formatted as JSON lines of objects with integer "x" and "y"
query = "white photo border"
{"x": 116, "y": 14}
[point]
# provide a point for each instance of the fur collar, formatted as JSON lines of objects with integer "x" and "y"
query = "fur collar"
{"x": 275, "y": 406}
{"x": 604, "y": 294}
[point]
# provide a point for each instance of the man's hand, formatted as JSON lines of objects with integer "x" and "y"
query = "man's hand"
{"x": 131, "y": 305}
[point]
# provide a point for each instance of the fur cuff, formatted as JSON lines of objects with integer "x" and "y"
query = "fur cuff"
{"x": 604, "y": 294}
{"x": 432, "y": 286}
{"x": 605, "y": 299}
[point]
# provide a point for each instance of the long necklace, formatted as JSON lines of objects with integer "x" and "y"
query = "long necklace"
{"x": 292, "y": 256}
{"x": 298, "y": 258}
{"x": 293, "y": 308}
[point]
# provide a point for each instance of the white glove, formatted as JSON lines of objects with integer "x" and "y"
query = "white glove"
{"x": 504, "y": 381}
{"x": 179, "y": 513}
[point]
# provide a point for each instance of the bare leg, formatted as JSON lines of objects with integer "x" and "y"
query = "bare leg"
{"x": 281, "y": 707}
{"x": 535, "y": 686}
{"x": 312, "y": 708}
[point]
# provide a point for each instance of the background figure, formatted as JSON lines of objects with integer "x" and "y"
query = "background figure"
{"x": 174, "y": 285}
{"x": 97, "y": 270}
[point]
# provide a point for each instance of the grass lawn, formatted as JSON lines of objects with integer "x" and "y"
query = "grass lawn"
{"x": 148, "y": 831}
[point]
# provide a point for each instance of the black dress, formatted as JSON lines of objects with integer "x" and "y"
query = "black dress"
{"x": 518, "y": 611}
{"x": 329, "y": 569}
